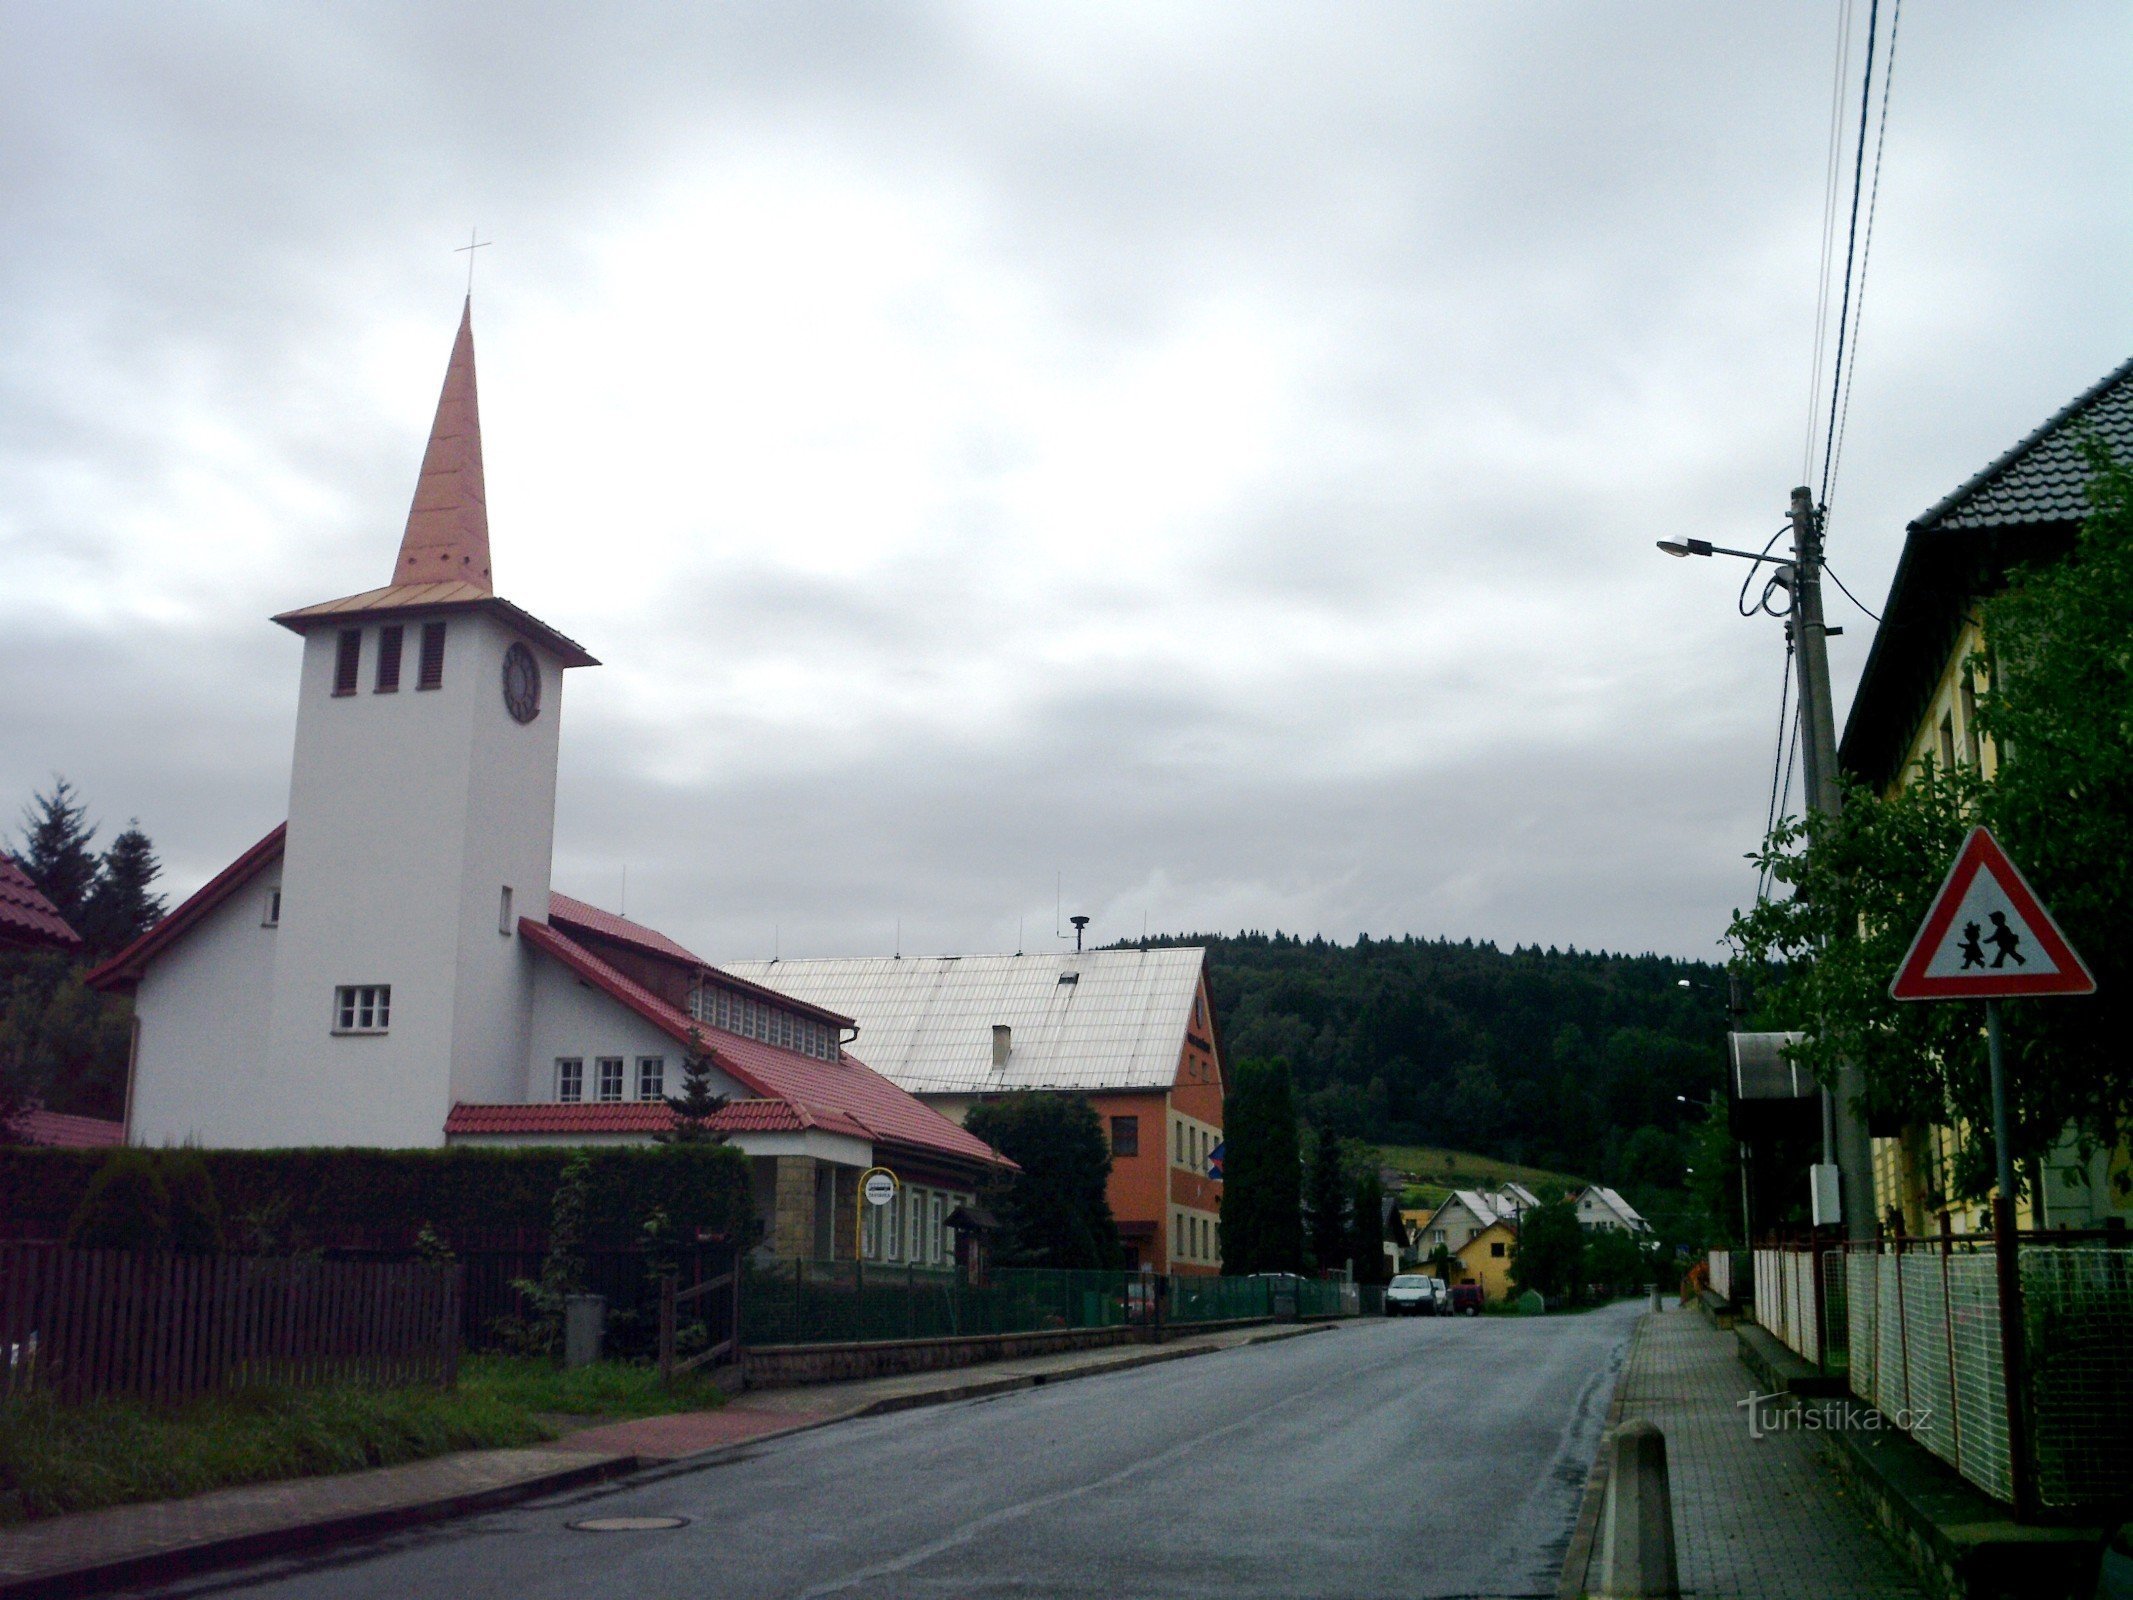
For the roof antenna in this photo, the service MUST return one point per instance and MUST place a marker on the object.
(1144, 930)
(1018, 935)
(899, 938)
(473, 244)
(623, 909)
(1079, 924)
(1058, 902)
(776, 953)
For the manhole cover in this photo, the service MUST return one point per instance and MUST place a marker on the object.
(628, 1524)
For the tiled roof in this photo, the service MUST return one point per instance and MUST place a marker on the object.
(124, 969)
(578, 914)
(60, 1130)
(26, 914)
(403, 599)
(843, 1096)
(620, 1117)
(2044, 478)
(1095, 1019)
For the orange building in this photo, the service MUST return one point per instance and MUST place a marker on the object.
(1132, 1031)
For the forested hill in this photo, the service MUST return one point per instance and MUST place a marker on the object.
(1553, 1058)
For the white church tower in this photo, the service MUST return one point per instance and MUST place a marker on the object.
(421, 829)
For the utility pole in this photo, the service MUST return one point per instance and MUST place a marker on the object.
(1844, 1127)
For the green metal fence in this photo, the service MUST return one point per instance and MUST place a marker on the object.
(833, 1302)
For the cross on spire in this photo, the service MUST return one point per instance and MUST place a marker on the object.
(473, 244)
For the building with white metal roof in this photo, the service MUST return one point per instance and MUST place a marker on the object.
(1133, 1030)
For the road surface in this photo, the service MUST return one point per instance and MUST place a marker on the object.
(1412, 1458)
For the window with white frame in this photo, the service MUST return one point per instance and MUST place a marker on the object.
(570, 1079)
(651, 1077)
(890, 1225)
(610, 1080)
(935, 1235)
(914, 1226)
(362, 1008)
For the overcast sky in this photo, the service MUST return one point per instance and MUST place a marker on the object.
(1208, 456)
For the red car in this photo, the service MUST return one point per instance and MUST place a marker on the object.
(1466, 1299)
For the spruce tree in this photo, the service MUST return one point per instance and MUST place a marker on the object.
(697, 1103)
(55, 848)
(119, 907)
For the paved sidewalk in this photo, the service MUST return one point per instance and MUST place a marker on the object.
(160, 1539)
(1753, 1517)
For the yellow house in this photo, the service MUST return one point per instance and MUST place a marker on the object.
(1486, 1259)
(1917, 700)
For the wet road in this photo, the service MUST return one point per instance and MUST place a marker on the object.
(1426, 1458)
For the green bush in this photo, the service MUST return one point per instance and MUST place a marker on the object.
(126, 1206)
(281, 1200)
(195, 1213)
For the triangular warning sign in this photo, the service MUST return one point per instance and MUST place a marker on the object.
(1988, 937)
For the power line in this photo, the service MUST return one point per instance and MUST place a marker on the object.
(1829, 233)
(1854, 599)
(1866, 249)
(1844, 307)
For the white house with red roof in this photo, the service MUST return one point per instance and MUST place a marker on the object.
(390, 967)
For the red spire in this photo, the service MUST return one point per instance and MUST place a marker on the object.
(447, 539)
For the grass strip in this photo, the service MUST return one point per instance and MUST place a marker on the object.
(57, 1458)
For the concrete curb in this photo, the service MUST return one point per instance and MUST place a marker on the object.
(185, 1561)
(1577, 1560)
(618, 1472)
(983, 1389)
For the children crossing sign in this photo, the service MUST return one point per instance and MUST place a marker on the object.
(1988, 937)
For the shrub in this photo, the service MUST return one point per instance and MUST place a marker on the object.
(126, 1206)
(195, 1213)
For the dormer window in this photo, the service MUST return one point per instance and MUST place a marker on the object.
(347, 660)
(388, 680)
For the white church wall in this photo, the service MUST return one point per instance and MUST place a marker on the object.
(509, 842)
(202, 1008)
(572, 1019)
(371, 887)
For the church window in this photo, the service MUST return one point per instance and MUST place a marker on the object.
(388, 679)
(362, 1008)
(651, 1077)
(272, 919)
(505, 923)
(430, 673)
(610, 1078)
(347, 660)
(570, 1079)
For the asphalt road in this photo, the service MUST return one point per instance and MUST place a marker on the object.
(1437, 1458)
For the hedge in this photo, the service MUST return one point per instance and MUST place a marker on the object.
(475, 1198)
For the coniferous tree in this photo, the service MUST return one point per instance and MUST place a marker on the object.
(119, 908)
(1054, 1212)
(1262, 1190)
(1368, 1229)
(697, 1103)
(1327, 1202)
(55, 848)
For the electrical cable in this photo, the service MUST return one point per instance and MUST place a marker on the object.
(1866, 92)
(1740, 601)
(1866, 249)
(1784, 800)
(1829, 232)
(1831, 573)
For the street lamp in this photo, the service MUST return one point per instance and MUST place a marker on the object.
(1844, 1139)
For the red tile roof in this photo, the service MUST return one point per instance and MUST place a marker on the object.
(124, 970)
(25, 914)
(741, 1116)
(576, 916)
(60, 1130)
(843, 1096)
(580, 916)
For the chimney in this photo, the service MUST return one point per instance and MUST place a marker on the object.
(1003, 1041)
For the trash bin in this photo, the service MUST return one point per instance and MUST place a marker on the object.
(584, 1328)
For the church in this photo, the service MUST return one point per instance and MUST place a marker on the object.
(389, 967)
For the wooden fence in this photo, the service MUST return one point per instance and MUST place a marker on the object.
(98, 1322)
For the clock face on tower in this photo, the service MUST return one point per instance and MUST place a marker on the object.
(522, 684)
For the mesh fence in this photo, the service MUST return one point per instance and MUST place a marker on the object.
(1923, 1327)
(834, 1302)
(2077, 1305)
